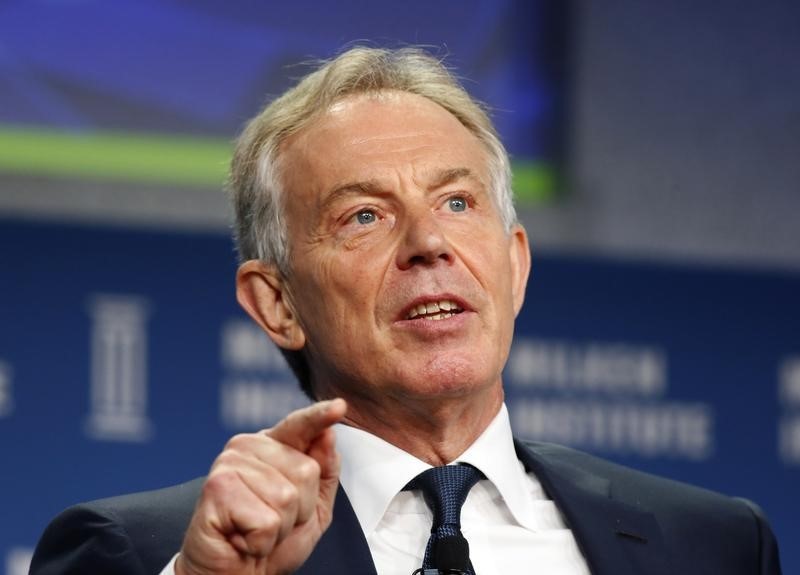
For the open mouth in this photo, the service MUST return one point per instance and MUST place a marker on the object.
(435, 310)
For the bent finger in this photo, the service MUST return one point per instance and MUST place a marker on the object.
(300, 428)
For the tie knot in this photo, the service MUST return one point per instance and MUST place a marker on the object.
(445, 489)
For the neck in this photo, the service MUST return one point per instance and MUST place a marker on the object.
(435, 430)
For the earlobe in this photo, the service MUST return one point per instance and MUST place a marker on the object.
(262, 293)
(520, 256)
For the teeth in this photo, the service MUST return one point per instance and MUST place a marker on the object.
(435, 310)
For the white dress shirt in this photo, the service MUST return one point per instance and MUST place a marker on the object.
(509, 521)
(507, 518)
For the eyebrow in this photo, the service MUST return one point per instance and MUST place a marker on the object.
(453, 175)
(366, 188)
(374, 188)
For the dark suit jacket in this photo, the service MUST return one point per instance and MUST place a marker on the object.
(626, 523)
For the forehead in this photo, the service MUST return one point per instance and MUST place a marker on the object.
(368, 136)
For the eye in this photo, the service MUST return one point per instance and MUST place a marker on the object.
(457, 204)
(365, 217)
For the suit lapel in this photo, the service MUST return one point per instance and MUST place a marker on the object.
(343, 549)
(616, 538)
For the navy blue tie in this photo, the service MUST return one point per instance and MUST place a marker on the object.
(445, 489)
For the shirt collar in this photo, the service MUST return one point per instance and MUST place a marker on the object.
(374, 471)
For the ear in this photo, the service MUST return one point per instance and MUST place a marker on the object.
(520, 257)
(262, 293)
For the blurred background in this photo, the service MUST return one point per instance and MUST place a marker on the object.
(655, 150)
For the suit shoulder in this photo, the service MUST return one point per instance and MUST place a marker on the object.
(134, 533)
(167, 504)
(638, 487)
(698, 524)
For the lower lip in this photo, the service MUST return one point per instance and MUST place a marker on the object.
(435, 326)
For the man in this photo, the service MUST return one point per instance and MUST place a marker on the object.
(381, 253)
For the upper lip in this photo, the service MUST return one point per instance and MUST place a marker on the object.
(442, 302)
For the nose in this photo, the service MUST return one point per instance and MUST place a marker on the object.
(424, 241)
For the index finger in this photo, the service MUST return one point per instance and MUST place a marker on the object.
(300, 428)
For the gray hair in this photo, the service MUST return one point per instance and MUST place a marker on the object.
(255, 182)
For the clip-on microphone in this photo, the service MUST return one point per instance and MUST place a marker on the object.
(451, 554)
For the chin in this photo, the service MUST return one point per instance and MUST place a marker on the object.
(451, 378)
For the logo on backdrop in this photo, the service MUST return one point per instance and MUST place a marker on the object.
(258, 388)
(118, 398)
(6, 394)
(789, 399)
(604, 396)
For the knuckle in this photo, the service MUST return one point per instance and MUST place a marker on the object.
(227, 458)
(300, 418)
(238, 442)
(285, 495)
(308, 471)
(270, 525)
(220, 482)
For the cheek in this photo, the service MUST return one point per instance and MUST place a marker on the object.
(486, 255)
(313, 291)
(337, 289)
